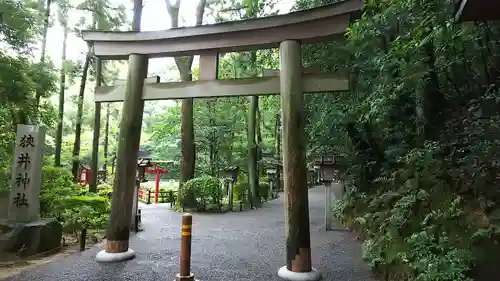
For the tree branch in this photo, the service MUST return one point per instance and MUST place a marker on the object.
(173, 10)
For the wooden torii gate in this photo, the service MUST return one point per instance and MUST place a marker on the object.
(287, 32)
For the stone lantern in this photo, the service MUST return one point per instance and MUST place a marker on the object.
(142, 164)
(327, 176)
(230, 176)
(311, 175)
(316, 167)
(327, 169)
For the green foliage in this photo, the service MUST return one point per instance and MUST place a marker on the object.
(18, 23)
(169, 185)
(104, 186)
(264, 188)
(199, 192)
(240, 191)
(57, 186)
(105, 190)
(99, 203)
(418, 131)
(5, 178)
(220, 124)
(70, 203)
(85, 212)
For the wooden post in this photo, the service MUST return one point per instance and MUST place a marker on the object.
(230, 192)
(157, 183)
(328, 205)
(298, 240)
(126, 165)
(270, 191)
(185, 252)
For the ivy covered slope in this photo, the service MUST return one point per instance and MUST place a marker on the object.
(420, 136)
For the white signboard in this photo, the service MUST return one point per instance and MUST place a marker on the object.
(27, 174)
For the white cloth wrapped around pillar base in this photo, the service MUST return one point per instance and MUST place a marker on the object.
(313, 275)
(106, 257)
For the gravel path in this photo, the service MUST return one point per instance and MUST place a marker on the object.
(246, 246)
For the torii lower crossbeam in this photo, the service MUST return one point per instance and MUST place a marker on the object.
(312, 83)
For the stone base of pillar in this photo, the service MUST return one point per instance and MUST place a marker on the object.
(106, 257)
(313, 275)
(178, 277)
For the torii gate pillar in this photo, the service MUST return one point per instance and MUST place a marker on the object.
(298, 240)
(118, 232)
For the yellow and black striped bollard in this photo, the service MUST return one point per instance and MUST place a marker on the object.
(185, 268)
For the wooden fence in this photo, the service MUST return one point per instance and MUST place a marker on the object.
(148, 196)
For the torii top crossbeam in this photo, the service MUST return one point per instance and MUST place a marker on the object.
(308, 26)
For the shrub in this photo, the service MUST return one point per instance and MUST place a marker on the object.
(167, 195)
(84, 212)
(188, 194)
(57, 185)
(168, 185)
(264, 189)
(5, 177)
(56, 176)
(107, 192)
(84, 217)
(240, 191)
(99, 203)
(104, 186)
(199, 192)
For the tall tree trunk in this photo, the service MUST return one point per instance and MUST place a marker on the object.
(230, 144)
(62, 88)
(188, 150)
(97, 130)
(106, 142)
(38, 92)
(433, 99)
(212, 139)
(253, 150)
(184, 64)
(79, 114)
(259, 142)
(99, 18)
(79, 117)
(253, 179)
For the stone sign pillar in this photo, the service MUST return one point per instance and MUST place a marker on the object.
(27, 174)
(24, 229)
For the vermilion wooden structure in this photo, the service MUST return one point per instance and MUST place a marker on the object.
(157, 171)
(84, 176)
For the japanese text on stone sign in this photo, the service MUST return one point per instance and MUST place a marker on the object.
(22, 179)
